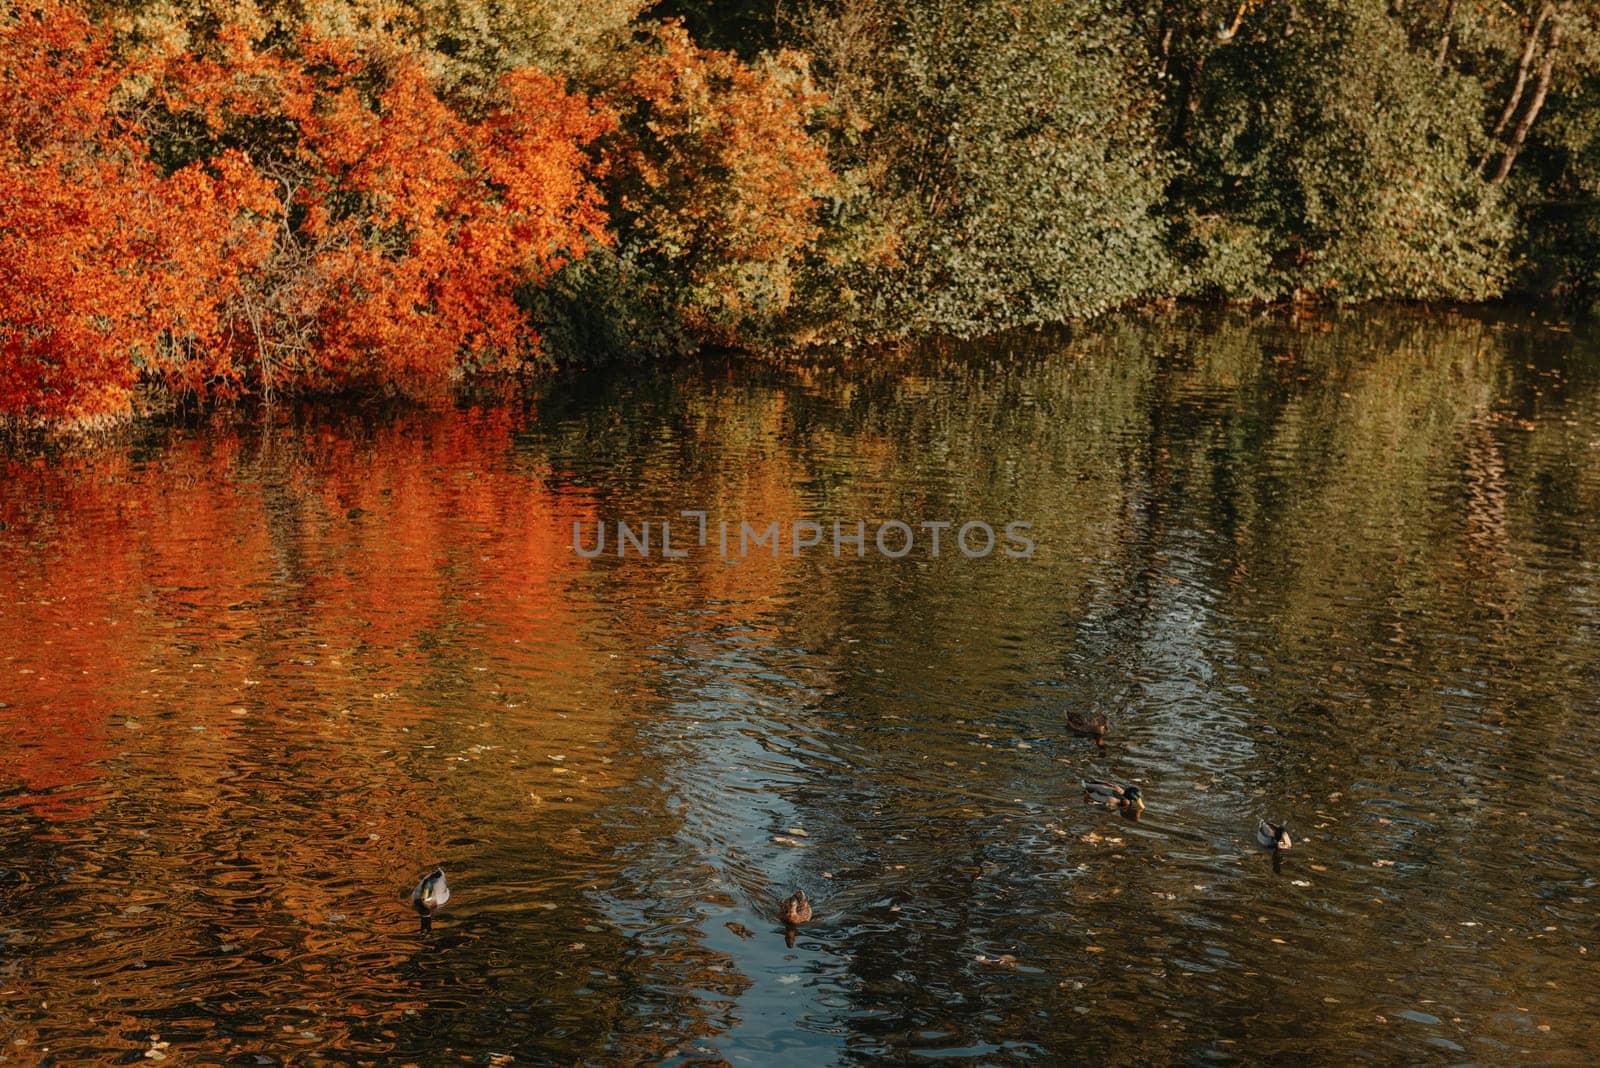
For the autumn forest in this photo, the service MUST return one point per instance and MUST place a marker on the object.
(208, 201)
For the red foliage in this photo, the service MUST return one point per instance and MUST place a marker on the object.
(402, 231)
(105, 263)
(338, 223)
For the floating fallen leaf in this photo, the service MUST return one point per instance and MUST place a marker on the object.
(1383, 864)
(799, 832)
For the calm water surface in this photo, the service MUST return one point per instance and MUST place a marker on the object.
(255, 678)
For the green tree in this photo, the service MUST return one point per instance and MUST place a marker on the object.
(999, 161)
(1324, 154)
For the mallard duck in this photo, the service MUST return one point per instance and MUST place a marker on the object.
(1091, 724)
(796, 910)
(1273, 836)
(431, 893)
(1126, 798)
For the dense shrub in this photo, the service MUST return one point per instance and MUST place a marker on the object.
(320, 217)
(465, 45)
(108, 266)
(402, 231)
(1001, 160)
(715, 185)
(1327, 155)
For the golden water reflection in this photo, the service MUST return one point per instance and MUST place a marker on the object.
(257, 677)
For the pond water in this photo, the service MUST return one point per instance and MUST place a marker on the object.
(256, 677)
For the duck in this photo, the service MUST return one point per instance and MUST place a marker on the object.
(1273, 836)
(796, 910)
(1128, 799)
(1090, 724)
(431, 893)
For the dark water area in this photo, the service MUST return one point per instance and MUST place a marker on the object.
(256, 678)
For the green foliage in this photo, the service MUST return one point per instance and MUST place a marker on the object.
(1000, 158)
(1326, 155)
(606, 308)
(469, 43)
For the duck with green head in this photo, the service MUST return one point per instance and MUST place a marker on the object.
(1127, 799)
(429, 897)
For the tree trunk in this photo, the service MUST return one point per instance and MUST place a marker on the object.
(1523, 63)
(1541, 89)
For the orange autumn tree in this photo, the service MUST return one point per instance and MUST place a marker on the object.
(107, 265)
(402, 231)
(267, 212)
(717, 181)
